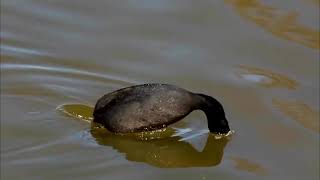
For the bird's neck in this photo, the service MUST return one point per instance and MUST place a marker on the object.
(210, 106)
(215, 113)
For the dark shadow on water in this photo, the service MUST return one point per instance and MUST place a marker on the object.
(166, 152)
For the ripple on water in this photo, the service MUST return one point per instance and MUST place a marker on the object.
(16, 51)
(243, 164)
(300, 112)
(279, 22)
(78, 111)
(59, 78)
(267, 78)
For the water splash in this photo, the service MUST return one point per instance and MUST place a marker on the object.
(228, 135)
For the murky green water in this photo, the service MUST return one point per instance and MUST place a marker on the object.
(259, 58)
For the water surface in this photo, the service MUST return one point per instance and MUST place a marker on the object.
(259, 58)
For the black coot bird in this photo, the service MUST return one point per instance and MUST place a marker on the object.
(154, 106)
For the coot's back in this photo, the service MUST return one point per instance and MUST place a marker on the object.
(143, 107)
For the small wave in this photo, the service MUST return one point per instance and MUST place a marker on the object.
(78, 111)
(11, 50)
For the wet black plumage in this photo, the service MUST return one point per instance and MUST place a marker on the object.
(153, 106)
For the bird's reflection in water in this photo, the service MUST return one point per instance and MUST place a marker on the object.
(162, 149)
